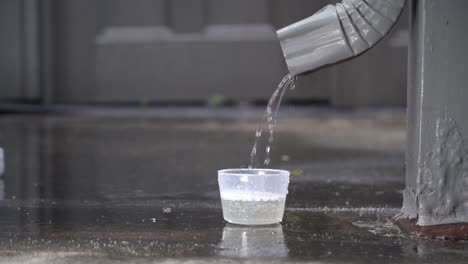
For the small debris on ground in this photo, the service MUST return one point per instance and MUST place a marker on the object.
(297, 173)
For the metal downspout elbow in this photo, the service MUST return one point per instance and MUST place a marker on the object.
(337, 33)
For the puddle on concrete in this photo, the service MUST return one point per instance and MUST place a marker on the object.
(78, 188)
(380, 228)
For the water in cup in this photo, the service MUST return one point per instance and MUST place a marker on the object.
(253, 208)
(253, 196)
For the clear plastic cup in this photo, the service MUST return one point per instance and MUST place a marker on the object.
(253, 196)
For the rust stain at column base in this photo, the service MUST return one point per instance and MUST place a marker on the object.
(457, 231)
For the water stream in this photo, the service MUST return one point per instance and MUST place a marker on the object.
(269, 121)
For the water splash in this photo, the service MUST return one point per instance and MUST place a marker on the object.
(269, 120)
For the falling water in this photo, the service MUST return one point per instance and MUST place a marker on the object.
(269, 120)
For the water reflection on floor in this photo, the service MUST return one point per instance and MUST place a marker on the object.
(88, 189)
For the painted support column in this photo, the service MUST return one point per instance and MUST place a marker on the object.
(436, 195)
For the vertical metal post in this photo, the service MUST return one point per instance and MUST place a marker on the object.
(435, 199)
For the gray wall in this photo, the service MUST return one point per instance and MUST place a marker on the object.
(19, 50)
(9, 49)
(141, 51)
(167, 51)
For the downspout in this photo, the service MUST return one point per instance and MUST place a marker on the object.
(337, 33)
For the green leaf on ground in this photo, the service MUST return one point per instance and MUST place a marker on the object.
(293, 218)
(217, 101)
(297, 173)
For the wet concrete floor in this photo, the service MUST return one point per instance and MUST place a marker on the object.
(100, 189)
